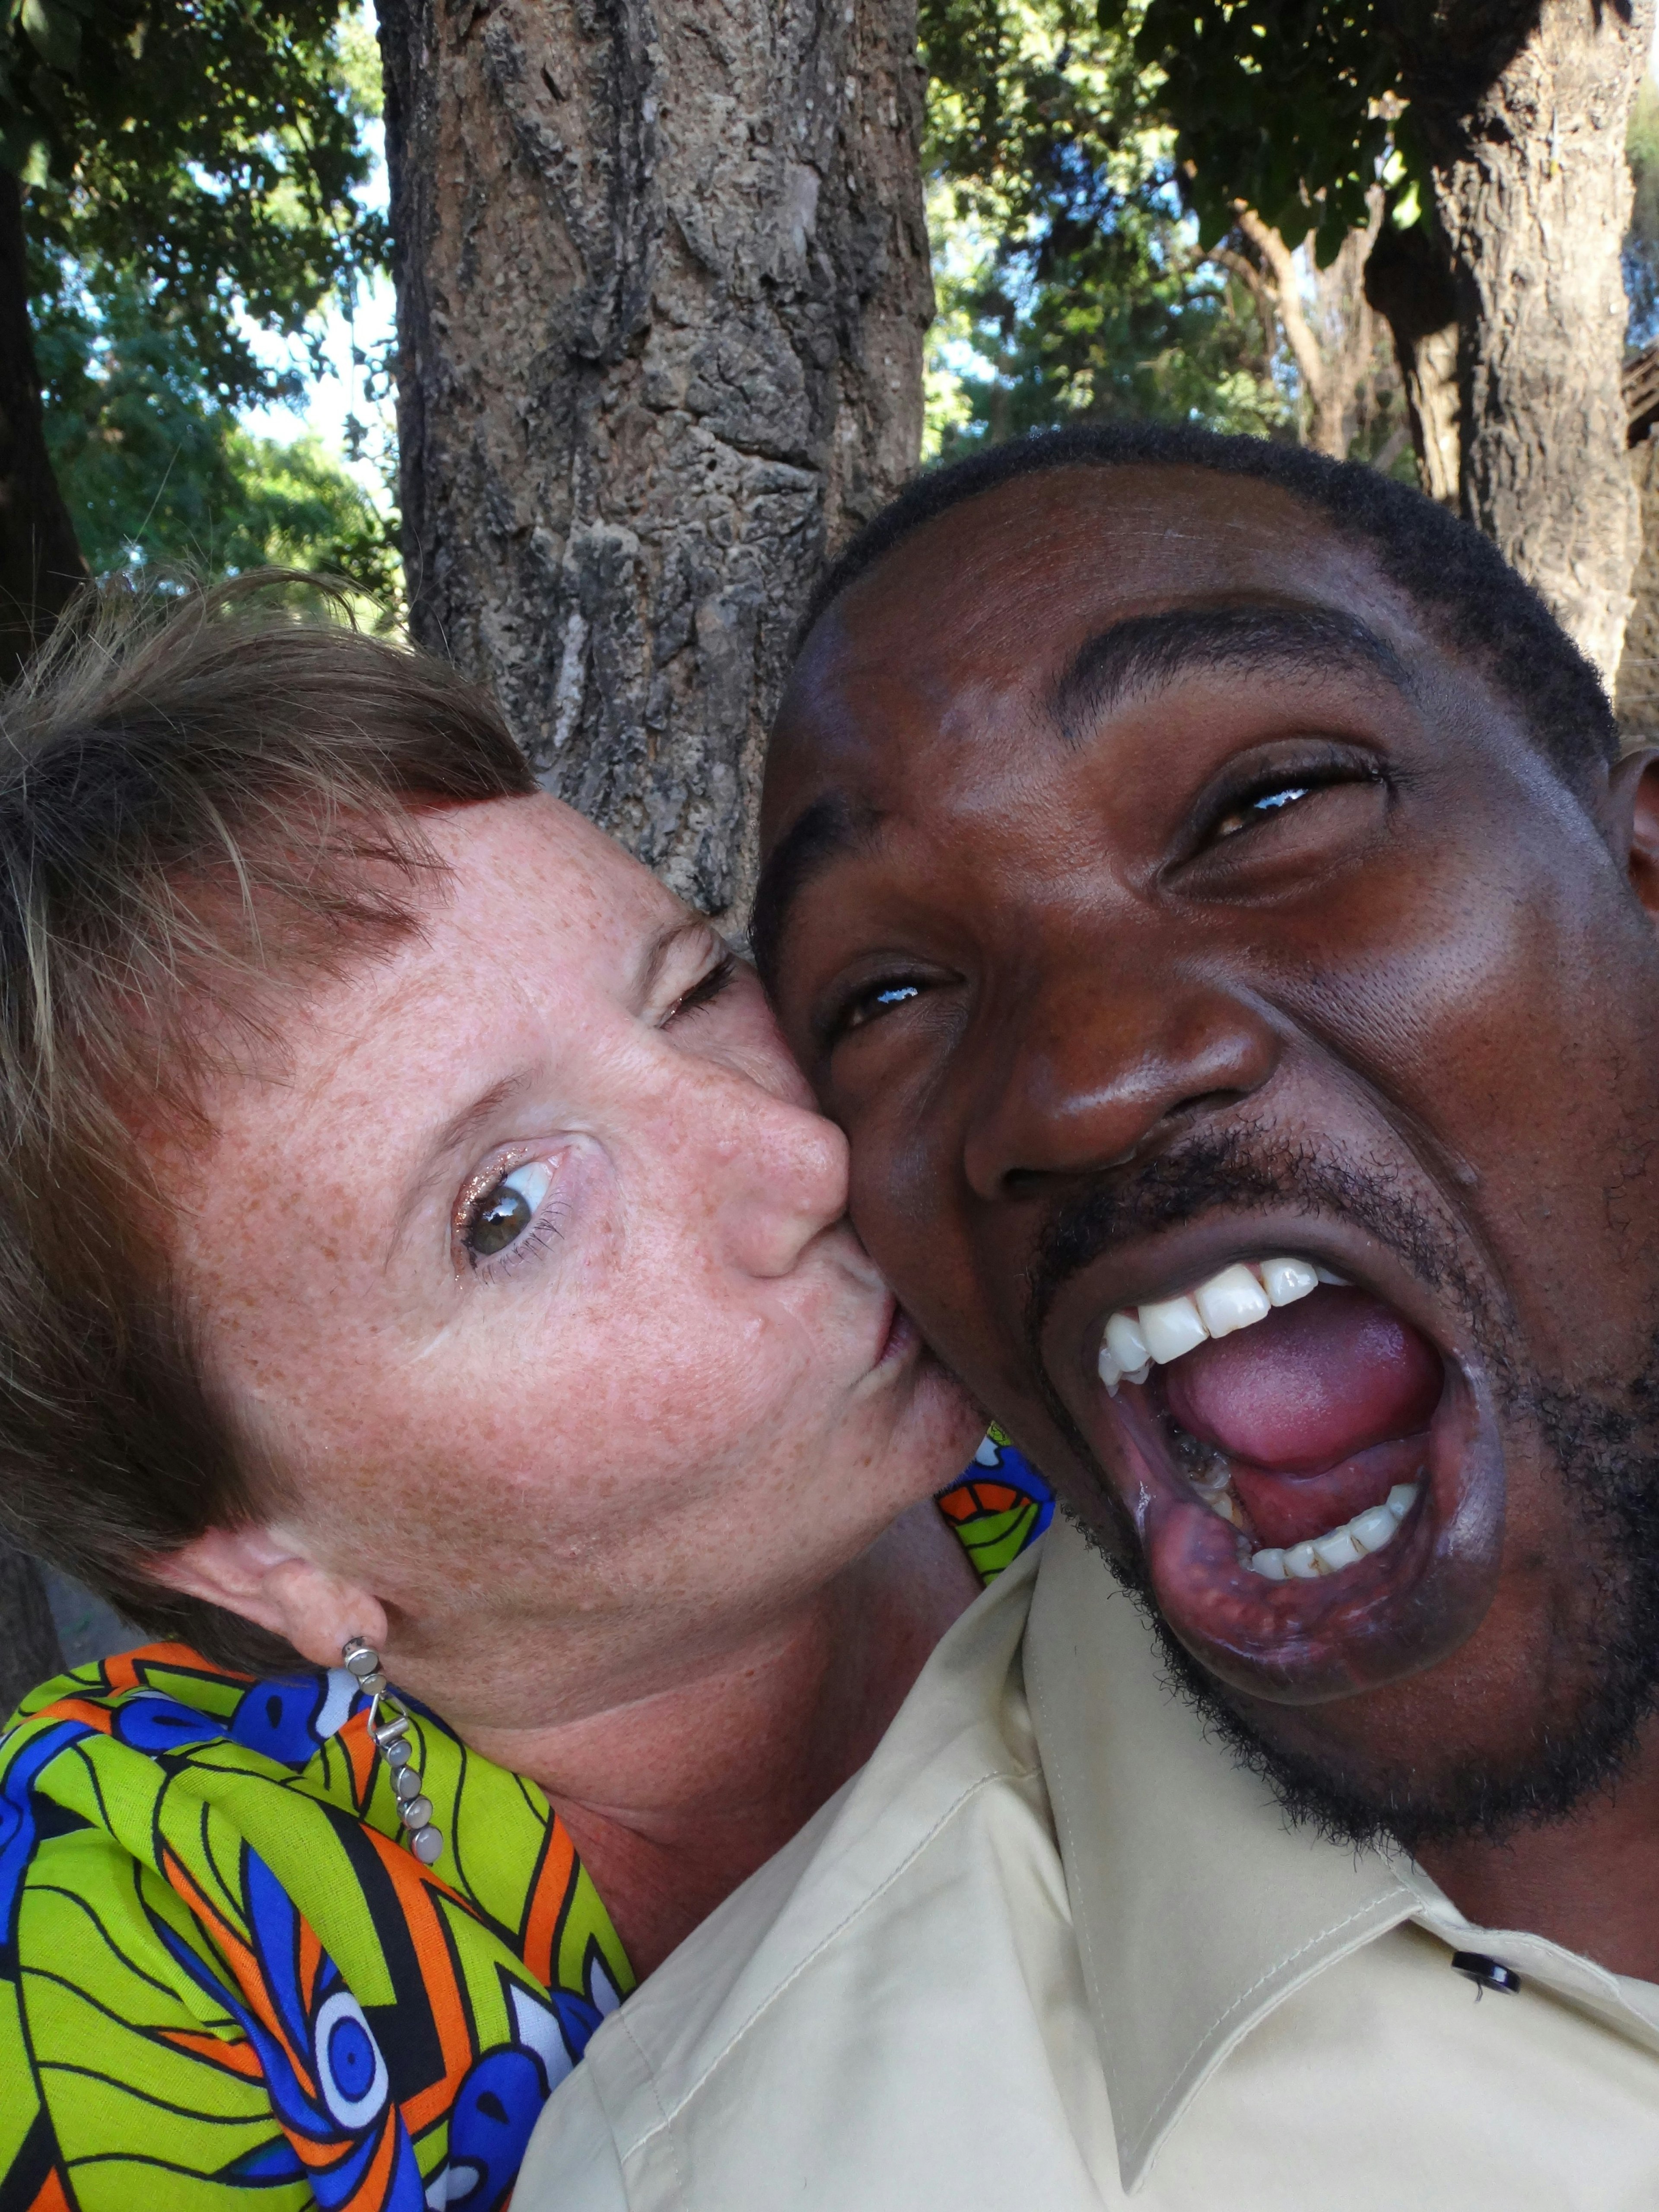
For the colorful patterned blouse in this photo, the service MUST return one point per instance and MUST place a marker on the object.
(227, 1986)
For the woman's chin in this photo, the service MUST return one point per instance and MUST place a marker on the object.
(939, 1426)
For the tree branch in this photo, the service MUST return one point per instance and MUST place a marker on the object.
(1281, 272)
(1241, 265)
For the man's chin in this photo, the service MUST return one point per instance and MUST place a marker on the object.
(1381, 1767)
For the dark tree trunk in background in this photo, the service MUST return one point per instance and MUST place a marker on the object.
(1408, 281)
(663, 283)
(1523, 110)
(40, 560)
(29, 1651)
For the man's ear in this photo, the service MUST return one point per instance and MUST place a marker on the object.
(1633, 792)
(261, 1574)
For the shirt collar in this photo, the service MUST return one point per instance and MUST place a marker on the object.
(1197, 1909)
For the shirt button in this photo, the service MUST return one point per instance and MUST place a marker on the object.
(1486, 1973)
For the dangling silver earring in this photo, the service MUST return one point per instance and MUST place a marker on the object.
(389, 1724)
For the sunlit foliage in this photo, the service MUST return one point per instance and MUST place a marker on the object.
(196, 174)
(1072, 282)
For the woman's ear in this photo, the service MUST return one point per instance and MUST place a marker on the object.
(260, 1573)
(1633, 788)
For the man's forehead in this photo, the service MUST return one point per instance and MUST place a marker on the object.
(981, 607)
(1076, 543)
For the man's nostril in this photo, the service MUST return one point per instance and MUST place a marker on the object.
(1093, 1078)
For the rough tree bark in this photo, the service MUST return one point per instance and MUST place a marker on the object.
(29, 1650)
(40, 558)
(1523, 110)
(662, 286)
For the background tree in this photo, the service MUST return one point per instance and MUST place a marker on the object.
(1067, 261)
(1071, 284)
(155, 467)
(173, 175)
(1641, 252)
(662, 288)
(1499, 129)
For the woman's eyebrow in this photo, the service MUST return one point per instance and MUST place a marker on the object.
(459, 1133)
(657, 948)
(462, 1128)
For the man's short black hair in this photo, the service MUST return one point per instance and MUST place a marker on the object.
(1464, 589)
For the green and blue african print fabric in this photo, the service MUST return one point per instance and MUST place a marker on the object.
(1001, 1506)
(227, 1986)
(223, 1980)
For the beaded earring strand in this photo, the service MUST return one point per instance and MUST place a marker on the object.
(390, 1736)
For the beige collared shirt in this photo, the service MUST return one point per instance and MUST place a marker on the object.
(1052, 1948)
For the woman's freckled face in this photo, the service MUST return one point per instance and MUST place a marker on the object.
(528, 1271)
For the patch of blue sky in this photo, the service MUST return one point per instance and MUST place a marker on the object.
(347, 409)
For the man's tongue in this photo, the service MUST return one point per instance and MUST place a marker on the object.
(1320, 1409)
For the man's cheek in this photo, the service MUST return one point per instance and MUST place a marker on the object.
(902, 1208)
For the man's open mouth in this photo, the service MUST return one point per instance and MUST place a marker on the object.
(1315, 1481)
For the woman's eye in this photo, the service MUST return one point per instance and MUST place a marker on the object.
(505, 1212)
(707, 987)
(1261, 807)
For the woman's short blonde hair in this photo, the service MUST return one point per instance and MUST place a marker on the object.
(206, 798)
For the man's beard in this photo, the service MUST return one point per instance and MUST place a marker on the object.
(1604, 1441)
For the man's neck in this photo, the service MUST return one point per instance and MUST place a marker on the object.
(674, 1801)
(1589, 1882)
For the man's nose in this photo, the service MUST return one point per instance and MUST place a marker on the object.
(1092, 1072)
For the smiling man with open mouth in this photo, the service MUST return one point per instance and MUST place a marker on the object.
(1202, 882)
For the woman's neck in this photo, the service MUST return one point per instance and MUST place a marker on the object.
(674, 1801)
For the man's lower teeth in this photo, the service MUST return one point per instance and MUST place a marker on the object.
(1338, 1548)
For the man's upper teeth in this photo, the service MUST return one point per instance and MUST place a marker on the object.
(1240, 1294)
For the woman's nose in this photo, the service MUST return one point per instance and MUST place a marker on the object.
(783, 1173)
(1088, 1072)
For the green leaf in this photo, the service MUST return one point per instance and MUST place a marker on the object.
(52, 28)
(23, 151)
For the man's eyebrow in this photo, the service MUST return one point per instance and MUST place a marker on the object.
(1143, 653)
(830, 828)
(1149, 652)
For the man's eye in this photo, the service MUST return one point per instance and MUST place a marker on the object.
(1261, 807)
(503, 1214)
(870, 1005)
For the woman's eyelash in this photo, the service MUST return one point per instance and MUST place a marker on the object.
(707, 988)
(543, 1214)
(533, 1242)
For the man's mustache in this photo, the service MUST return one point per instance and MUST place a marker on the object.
(1240, 1170)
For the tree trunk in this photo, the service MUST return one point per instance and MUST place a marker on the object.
(1335, 347)
(41, 559)
(1523, 112)
(1408, 282)
(662, 288)
(29, 1651)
